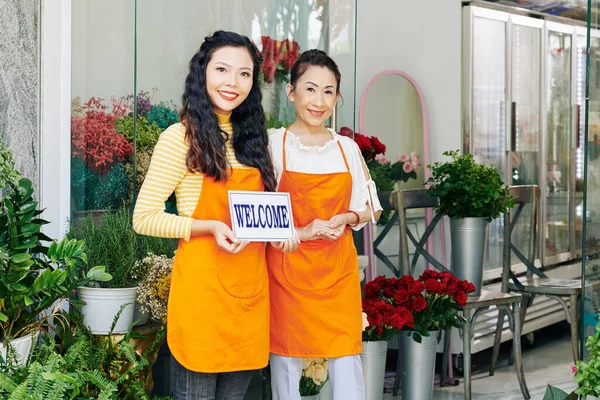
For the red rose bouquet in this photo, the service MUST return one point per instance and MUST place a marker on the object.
(385, 315)
(422, 305)
(278, 56)
(434, 299)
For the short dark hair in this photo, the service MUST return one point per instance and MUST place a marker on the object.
(316, 58)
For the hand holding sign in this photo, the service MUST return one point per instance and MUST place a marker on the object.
(226, 239)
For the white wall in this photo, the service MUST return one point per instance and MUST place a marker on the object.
(423, 39)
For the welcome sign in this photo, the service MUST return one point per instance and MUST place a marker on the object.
(261, 216)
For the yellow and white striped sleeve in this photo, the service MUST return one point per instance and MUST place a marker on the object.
(167, 169)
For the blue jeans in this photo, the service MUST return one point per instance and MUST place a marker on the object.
(190, 385)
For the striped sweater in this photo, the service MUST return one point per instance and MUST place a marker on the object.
(168, 173)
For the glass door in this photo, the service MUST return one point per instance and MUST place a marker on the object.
(561, 116)
(525, 93)
(485, 99)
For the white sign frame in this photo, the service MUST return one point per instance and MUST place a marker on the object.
(254, 200)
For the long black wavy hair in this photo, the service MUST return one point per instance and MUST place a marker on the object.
(207, 153)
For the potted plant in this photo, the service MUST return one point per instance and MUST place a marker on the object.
(32, 276)
(385, 317)
(472, 195)
(586, 374)
(433, 300)
(92, 367)
(115, 245)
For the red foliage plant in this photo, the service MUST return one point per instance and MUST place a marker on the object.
(94, 139)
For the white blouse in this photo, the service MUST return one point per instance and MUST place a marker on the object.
(326, 159)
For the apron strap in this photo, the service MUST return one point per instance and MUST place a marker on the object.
(344, 156)
(284, 162)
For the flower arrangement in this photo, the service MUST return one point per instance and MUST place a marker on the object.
(419, 306)
(153, 292)
(314, 376)
(279, 57)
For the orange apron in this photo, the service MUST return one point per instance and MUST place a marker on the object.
(218, 310)
(315, 291)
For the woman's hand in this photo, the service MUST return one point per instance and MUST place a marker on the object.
(319, 229)
(226, 239)
(287, 246)
(341, 220)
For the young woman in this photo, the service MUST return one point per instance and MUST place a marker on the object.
(218, 313)
(315, 291)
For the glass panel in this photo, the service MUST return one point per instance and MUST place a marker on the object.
(169, 33)
(102, 78)
(488, 130)
(591, 259)
(559, 142)
(525, 126)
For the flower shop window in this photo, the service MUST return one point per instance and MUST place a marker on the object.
(130, 59)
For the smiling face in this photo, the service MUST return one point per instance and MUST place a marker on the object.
(314, 95)
(229, 78)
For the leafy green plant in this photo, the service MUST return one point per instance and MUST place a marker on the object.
(468, 189)
(553, 393)
(32, 276)
(587, 373)
(116, 245)
(94, 367)
(147, 133)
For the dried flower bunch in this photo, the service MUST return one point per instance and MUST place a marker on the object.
(153, 292)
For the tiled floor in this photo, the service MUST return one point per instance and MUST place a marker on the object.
(548, 360)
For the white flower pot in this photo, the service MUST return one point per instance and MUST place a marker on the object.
(22, 346)
(315, 397)
(102, 305)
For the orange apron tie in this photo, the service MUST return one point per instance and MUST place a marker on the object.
(315, 291)
(218, 311)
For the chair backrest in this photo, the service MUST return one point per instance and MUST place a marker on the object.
(523, 195)
(403, 200)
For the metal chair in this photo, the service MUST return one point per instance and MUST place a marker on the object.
(410, 199)
(535, 282)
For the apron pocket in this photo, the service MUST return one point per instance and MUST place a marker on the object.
(243, 275)
(316, 265)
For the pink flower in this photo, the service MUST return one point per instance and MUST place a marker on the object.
(573, 369)
(414, 157)
(403, 158)
(416, 165)
(407, 167)
(381, 159)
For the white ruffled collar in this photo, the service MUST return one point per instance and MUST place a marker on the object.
(295, 140)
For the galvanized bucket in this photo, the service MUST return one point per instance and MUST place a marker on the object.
(418, 365)
(373, 360)
(469, 237)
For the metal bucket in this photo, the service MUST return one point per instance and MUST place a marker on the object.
(469, 236)
(418, 365)
(373, 359)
